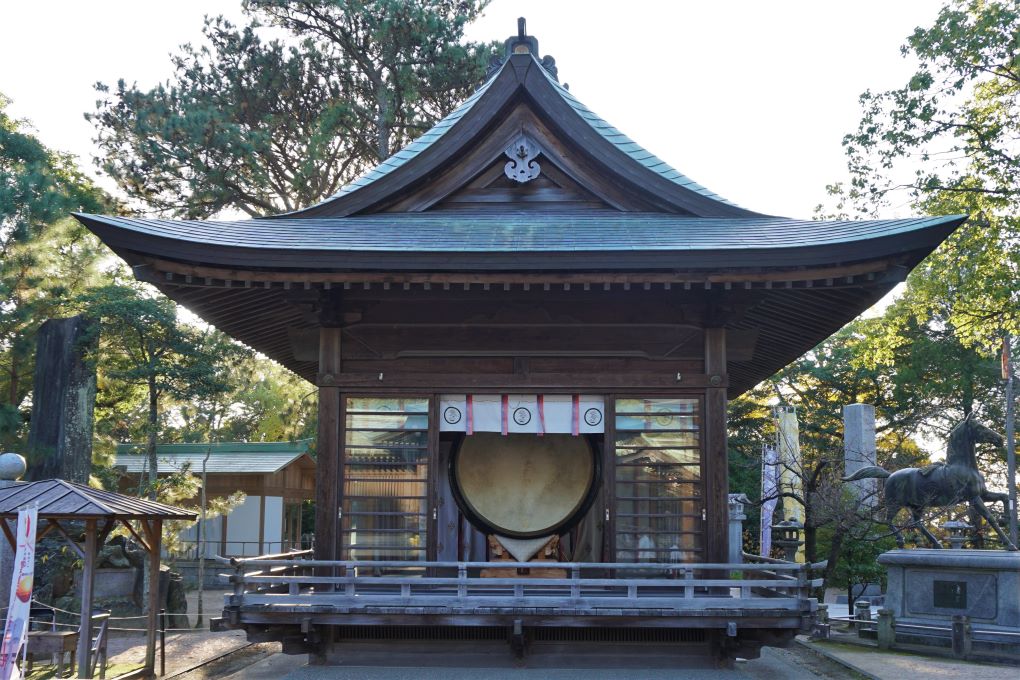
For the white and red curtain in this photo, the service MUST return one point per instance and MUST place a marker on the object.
(539, 414)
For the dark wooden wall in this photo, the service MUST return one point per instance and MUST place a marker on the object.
(393, 342)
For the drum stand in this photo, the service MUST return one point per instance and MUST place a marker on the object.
(547, 554)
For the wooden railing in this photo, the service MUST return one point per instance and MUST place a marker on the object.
(459, 586)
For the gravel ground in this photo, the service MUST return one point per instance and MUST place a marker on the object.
(183, 650)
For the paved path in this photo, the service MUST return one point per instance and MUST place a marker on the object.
(775, 664)
(891, 665)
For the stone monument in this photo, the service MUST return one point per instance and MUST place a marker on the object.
(63, 400)
(859, 448)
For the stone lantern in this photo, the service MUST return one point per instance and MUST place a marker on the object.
(958, 531)
(786, 535)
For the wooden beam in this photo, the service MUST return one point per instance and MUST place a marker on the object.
(220, 275)
(716, 479)
(88, 579)
(82, 553)
(141, 541)
(568, 383)
(327, 480)
(9, 534)
(104, 533)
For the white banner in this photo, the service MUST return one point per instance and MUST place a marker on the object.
(522, 413)
(16, 628)
(769, 494)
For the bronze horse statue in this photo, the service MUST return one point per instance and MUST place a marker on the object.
(941, 484)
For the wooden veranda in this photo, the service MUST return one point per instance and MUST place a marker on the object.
(60, 502)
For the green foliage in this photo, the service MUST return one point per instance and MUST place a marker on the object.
(956, 123)
(857, 562)
(401, 65)
(146, 347)
(264, 127)
(265, 402)
(46, 257)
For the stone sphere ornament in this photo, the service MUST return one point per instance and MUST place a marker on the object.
(12, 466)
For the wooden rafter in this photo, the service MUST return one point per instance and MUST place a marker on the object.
(141, 541)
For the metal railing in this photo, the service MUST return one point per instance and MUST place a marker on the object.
(669, 589)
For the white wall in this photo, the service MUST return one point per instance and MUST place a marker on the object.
(243, 528)
(273, 532)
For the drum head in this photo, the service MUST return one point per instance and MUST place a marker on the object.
(523, 485)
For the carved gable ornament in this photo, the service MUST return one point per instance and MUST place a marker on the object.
(522, 166)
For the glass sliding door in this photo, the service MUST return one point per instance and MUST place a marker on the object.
(385, 468)
(657, 479)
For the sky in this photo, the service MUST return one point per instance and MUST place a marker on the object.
(749, 98)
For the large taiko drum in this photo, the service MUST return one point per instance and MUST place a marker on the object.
(523, 485)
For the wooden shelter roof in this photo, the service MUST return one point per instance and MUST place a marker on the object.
(59, 499)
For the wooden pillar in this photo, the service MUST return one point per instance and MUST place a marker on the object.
(327, 479)
(88, 581)
(262, 520)
(716, 482)
(155, 535)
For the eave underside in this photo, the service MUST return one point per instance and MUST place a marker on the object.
(778, 315)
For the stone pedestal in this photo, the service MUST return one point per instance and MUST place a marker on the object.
(932, 586)
(736, 526)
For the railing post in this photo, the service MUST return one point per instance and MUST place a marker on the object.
(961, 636)
(349, 572)
(162, 642)
(862, 613)
(886, 629)
(575, 582)
(688, 584)
(238, 584)
(461, 580)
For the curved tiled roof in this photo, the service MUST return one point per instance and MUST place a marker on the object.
(415, 147)
(629, 148)
(517, 233)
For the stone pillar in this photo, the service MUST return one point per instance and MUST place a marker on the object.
(791, 470)
(736, 524)
(859, 448)
(12, 468)
(886, 629)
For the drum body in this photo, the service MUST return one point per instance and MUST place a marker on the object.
(523, 485)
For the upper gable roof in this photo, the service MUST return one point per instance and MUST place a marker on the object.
(522, 79)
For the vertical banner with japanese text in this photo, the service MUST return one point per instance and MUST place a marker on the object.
(16, 627)
(769, 496)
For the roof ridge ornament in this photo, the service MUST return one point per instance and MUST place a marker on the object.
(522, 43)
(522, 153)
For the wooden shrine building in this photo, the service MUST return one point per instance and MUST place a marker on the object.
(524, 329)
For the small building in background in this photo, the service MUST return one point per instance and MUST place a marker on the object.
(278, 478)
